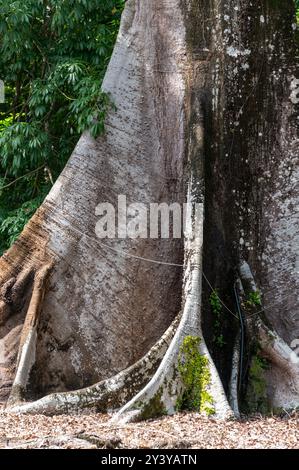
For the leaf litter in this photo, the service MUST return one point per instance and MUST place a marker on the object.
(180, 431)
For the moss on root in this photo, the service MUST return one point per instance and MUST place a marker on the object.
(196, 377)
(256, 395)
(154, 408)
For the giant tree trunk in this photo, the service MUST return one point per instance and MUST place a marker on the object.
(206, 111)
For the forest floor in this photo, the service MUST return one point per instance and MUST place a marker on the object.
(181, 431)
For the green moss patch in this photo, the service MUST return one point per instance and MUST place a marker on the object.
(256, 396)
(154, 408)
(196, 377)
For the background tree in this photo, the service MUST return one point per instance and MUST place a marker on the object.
(53, 56)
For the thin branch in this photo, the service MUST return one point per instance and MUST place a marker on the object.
(21, 177)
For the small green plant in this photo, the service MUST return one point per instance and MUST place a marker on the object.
(194, 371)
(215, 303)
(219, 340)
(216, 306)
(254, 299)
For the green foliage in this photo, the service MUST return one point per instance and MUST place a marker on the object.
(23, 145)
(254, 299)
(12, 222)
(53, 57)
(194, 371)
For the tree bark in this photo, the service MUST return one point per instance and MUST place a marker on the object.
(206, 111)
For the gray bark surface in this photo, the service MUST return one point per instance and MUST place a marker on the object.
(206, 98)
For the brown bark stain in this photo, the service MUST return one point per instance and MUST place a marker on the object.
(23, 269)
